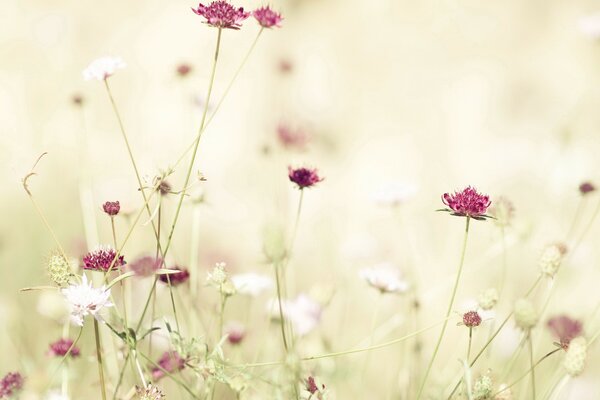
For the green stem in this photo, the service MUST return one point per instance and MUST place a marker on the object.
(99, 358)
(449, 310)
(469, 346)
(532, 365)
(282, 319)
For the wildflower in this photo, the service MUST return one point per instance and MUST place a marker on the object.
(77, 99)
(219, 279)
(170, 362)
(467, 203)
(316, 389)
(565, 329)
(220, 14)
(101, 259)
(266, 17)
(274, 245)
(503, 210)
(59, 269)
(176, 278)
(183, 70)
(385, 278)
(488, 299)
(164, 187)
(251, 284)
(102, 68)
(111, 208)
(145, 266)
(61, 347)
(304, 177)
(151, 392)
(394, 194)
(483, 387)
(303, 312)
(574, 361)
(292, 138)
(586, 187)
(551, 258)
(83, 300)
(235, 332)
(10, 384)
(471, 319)
(526, 315)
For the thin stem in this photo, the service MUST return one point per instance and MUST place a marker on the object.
(532, 365)
(141, 320)
(449, 310)
(99, 358)
(470, 341)
(282, 319)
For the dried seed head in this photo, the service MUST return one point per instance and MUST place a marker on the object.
(574, 361)
(483, 387)
(151, 392)
(551, 258)
(488, 299)
(59, 269)
(526, 315)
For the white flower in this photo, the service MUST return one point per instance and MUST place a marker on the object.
(102, 68)
(394, 194)
(384, 277)
(590, 26)
(251, 284)
(84, 299)
(303, 312)
(218, 276)
(574, 360)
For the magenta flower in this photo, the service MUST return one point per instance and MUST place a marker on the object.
(266, 17)
(235, 333)
(304, 177)
(101, 259)
(183, 70)
(176, 278)
(565, 329)
(10, 384)
(170, 362)
(222, 15)
(586, 187)
(111, 208)
(467, 203)
(471, 319)
(145, 266)
(292, 138)
(61, 347)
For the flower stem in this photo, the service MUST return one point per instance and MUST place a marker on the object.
(469, 346)
(282, 319)
(532, 365)
(99, 358)
(449, 310)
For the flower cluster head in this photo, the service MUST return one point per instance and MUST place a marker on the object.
(315, 389)
(586, 188)
(551, 258)
(526, 315)
(385, 278)
(292, 138)
(304, 177)
(59, 269)
(150, 392)
(467, 203)
(183, 70)
(102, 258)
(303, 312)
(488, 299)
(565, 329)
(170, 362)
(221, 14)
(176, 278)
(235, 332)
(267, 18)
(111, 208)
(251, 284)
(503, 211)
(471, 319)
(83, 300)
(145, 266)
(219, 279)
(61, 347)
(102, 68)
(10, 384)
(483, 388)
(574, 361)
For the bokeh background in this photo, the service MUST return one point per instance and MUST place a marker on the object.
(435, 95)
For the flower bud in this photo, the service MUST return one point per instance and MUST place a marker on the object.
(551, 258)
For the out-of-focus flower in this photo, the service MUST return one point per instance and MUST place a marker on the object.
(285, 66)
(221, 14)
(385, 278)
(304, 177)
(471, 319)
(590, 26)
(551, 258)
(102, 68)
(251, 284)
(504, 393)
(586, 188)
(488, 299)
(394, 194)
(503, 210)
(111, 208)
(56, 395)
(218, 276)
(83, 300)
(526, 315)
(151, 392)
(266, 17)
(176, 278)
(235, 332)
(274, 245)
(574, 361)
(101, 258)
(59, 269)
(303, 312)
(61, 347)
(565, 329)
(292, 138)
(183, 70)
(483, 388)
(11, 384)
(145, 266)
(77, 99)
(316, 389)
(467, 203)
(170, 362)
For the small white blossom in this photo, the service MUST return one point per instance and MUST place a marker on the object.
(303, 312)
(385, 278)
(218, 276)
(101, 68)
(574, 361)
(251, 284)
(83, 299)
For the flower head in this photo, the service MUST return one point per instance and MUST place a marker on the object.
(471, 319)
(176, 278)
(145, 266)
(10, 384)
(385, 278)
(565, 329)
(526, 315)
(221, 14)
(266, 17)
(235, 332)
(101, 259)
(292, 138)
(586, 187)
(483, 388)
(111, 208)
(315, 389)
(503, 210)
(59, 269)
(303, 312)
(488, 299)
(183, 70)
(103, 68)
(151, 392)
(170, 362)
(251, 284)
(551, 258)
(574, 361)
(304, 177)
(61, 347)
(219, 279)
(467, 203)
(83, 300)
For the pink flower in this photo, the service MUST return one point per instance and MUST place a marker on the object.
(10, 384)
(183, 70)
(471, 319)
(102, 258)
(111, 208)
(586, 187)
(304, 177)
(565, 329)
(467, 203)
(61, 347)
(145, 266)
(222, 15)
(292, 138)
(170, 362)
(176, 278)
(235, 332)
(266, 17)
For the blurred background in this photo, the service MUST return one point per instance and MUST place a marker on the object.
(426, 96)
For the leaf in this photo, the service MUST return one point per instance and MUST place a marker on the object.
(149, 331)
(120, 278)
(29, 289)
